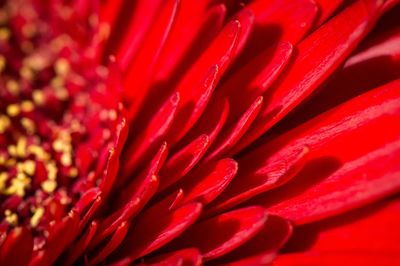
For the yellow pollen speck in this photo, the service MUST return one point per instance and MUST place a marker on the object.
(13, 87)
(62, 94)
(112, 114)
(2, 63)
(21, 147)
(10, 162)
(4, 34)
(57, 82)
(49, 186)
(62, 67)
(51, 170)
(4, 123)
(29, 167)
(18, 185)
(26, 73)
(11, 218)
(37, 215)
(2, 159)
(73, 172)
(66, 159)
(13, 110)
(3, 179)
(36, 62)
(27, 106)
(39, 152)
(28, 124)
(58, 145)
(38, 97)
(12, 150)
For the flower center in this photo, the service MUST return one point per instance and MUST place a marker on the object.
(53, 120)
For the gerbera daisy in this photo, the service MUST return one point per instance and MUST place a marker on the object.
(217, 132)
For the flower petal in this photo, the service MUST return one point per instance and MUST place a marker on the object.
(231, 135)
(151, 231)
(17, 247)
(147, 142)
(183, 161)
(263, 247)
(335, 179)
(141, 68)
(318, 56)
(190, 256)
(349, 238)
(225, 232)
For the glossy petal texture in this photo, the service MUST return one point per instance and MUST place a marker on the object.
(348, 237)
(226, 232)
(215, 132)
(348, 178)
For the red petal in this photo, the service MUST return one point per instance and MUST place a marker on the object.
(220, 54)
(150, 138)
(111, 245)
(138, 184)
(243, 86)
(210, 123)
(224, 233)
(326, 9)
(368, 236)
(207, 182)
(60, 236)
(337, 178)
(79, 247)
(151, 231)
(192, 24)
(139, 74)
(182, 257)
(378, 62)
(183, 161)
(17, 248)
(263, 247)
(260, 171)
(318, 56)
(194, 100)
(231, 135)
(287, 20)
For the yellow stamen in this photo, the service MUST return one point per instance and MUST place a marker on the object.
(37, 215)
(49, 186)
(4, 34)
(27, 106)
(38, 97)
(66, 159)
(4, 123)
(13, 110)
(2, 63)
(28, 124)
(13, 87)
(21, 147)
(11, 218)
(29, 167)
(62, 67)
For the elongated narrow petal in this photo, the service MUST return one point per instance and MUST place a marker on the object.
(317, 58)
(226, 232)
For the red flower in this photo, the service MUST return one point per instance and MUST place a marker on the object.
(250, 126)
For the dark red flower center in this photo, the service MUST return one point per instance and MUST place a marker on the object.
(54, 114)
